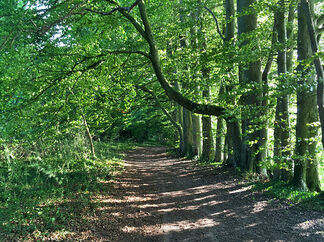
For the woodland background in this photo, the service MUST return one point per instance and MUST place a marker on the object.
(229, 83)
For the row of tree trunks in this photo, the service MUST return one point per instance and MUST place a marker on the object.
(245, 152)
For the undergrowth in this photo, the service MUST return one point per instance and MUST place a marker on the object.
(44, 197)
(291, 195)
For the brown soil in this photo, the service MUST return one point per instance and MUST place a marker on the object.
(162, 198)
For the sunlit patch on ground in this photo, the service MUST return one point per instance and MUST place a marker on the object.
(160, 198)
(243, 189)
(187, 224)
(259, 206)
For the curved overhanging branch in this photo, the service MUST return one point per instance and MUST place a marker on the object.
(167, 114)
(176, 96)
(146, 33)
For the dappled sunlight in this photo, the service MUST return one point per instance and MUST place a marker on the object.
(251, 225)
(189, 225)
(167, 199)
(308, 224)
(243, 189)
(259, 206)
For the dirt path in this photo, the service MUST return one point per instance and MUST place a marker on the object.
(160, 198)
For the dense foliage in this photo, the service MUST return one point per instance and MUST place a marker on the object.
(75, 74)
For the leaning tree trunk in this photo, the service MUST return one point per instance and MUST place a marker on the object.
(87, 129)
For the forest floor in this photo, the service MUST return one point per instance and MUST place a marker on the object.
(162, 198)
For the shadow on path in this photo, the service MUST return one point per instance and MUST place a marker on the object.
(161, 198)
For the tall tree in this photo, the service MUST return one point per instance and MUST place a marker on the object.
(305, 169)
(281, 130)
(249, 74)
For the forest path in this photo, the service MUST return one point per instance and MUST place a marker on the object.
(162, 198)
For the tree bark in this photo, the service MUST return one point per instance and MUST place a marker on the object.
(208, 147)
(233, 127)
(219, 146)
(250, 74)
(281, 131)
(187, 133)
(179, 111)
(306, 114)
(317, 63)
(85, 123)
(197, 134)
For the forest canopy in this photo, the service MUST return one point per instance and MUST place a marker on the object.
(235, 82)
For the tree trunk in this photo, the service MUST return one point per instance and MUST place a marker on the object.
(228, 159)
(312, 175)
(233, 127)
(85, 123)
(208, 143)
(197, 134)
(305, 170)
(179, 119)
(219, 140)
(317, 62)
(299, 178)
(196, 119)
(250, 74)
(263, 140)
(187, 132)
(290, 36)
(281, 132)
(235, 142)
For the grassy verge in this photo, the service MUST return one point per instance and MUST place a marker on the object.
(45, 198)
(291, 195)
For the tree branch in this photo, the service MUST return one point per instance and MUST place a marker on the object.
(218, 30)
(158, 103)
(45, 28)
(137, 26)
(174, 95)
(130, 52)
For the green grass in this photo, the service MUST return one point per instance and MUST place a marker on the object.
(39, 197)
(213, 164)
(291, 195)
